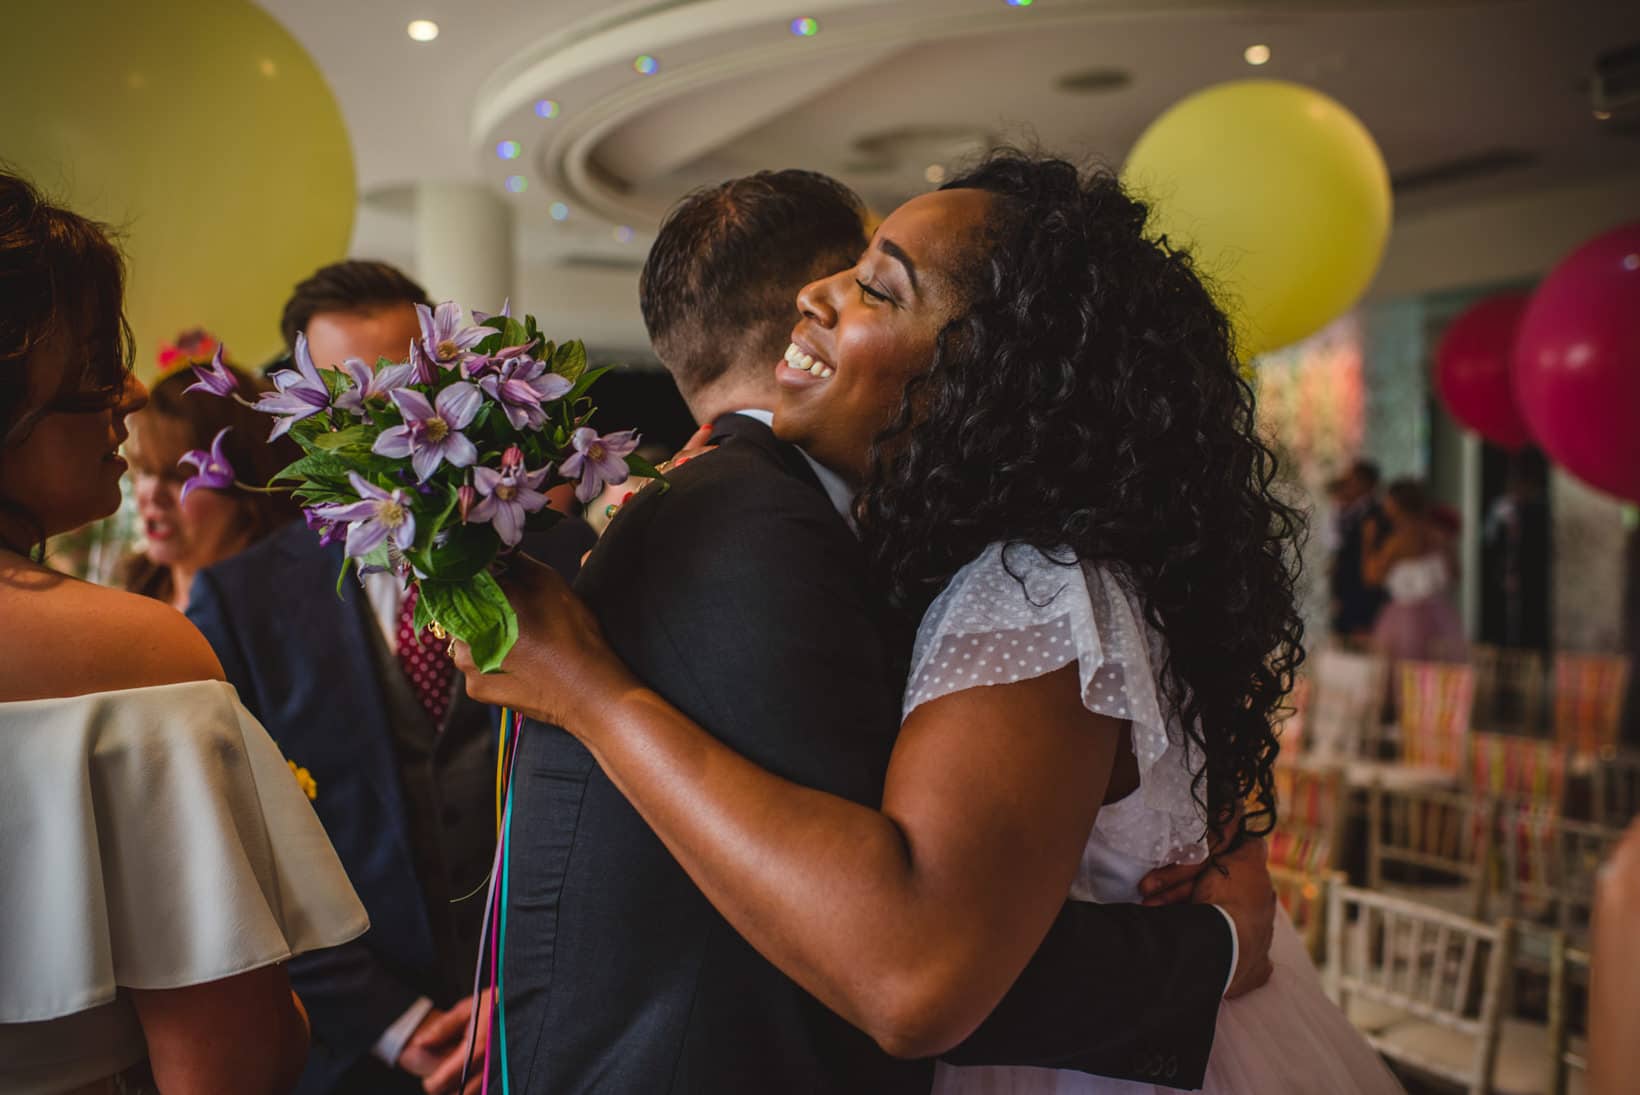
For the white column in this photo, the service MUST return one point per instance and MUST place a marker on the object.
(464, 244)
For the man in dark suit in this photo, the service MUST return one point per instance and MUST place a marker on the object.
(403, 761)
(740, 594)
(1355, 604)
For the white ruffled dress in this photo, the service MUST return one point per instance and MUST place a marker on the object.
(1016, 613)
(150, 838)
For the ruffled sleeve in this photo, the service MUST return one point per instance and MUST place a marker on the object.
(1016, 612)
(153, 838)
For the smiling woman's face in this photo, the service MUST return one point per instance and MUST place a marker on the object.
(868, 330)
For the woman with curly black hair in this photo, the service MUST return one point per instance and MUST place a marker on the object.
(1064, 494)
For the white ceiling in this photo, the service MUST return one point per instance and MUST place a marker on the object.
(1435, 82)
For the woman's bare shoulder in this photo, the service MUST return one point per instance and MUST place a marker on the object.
(72, 638)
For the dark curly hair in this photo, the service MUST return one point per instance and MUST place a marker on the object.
(1088, 398)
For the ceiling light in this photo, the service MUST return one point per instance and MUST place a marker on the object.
(1256, 55)
(623, 234)
(558, 211)
(935, 173)
(1603, 115)
(516, 184)
(508, 150)
(546, 108)
(645, 64)
(422, 30)
(805, 28)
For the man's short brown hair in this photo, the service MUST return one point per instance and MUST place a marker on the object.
(720, 284)
(357, 285)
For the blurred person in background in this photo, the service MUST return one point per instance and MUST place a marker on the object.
(1614, 1031)
(1355, 600)
(182, 536)
(1409, 554)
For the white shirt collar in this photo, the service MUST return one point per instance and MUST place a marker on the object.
(841, 495)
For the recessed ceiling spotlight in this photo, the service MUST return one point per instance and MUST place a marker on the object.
(558, 211)
(516, 184)
(623, 234)
(508, 150)
(1603, 115)
(645, 64)
(805, 28)
(934, 173)
(422, 30)
(1256, 55)
(546, 108)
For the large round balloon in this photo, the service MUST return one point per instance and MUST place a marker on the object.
(1283, 196)
(1474, 369)
(199, 129)
(1577, 363)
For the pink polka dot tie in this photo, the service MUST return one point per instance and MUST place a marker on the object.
(426, 665)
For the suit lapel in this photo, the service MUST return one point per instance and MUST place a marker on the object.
(739, 427)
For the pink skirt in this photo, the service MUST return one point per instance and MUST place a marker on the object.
(1427, 631)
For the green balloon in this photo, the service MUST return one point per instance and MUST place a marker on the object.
(203, 133)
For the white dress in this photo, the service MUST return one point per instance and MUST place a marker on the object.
(1009, 616)
(150, 838)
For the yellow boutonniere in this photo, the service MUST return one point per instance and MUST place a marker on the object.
(304, 780)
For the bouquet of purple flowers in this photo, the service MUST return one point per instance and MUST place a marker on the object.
(433, 467)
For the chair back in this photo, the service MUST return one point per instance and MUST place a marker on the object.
(1346, 705)
(1614, 788)
(1429, 839)
(1434, 706)
(1589, 690)
(1508, 690)
(1550, 865)
(1304, 896)
(1526, 769)
(1448, 971)
(1568, 1010)
(1309, 818)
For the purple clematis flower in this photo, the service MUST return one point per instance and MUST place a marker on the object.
(211, 469)
(379, 516)
(445, 341)
(301, 393)
(505, 313)
(505, 496)
(520, 384)
(329, 531)
(598, 460)
(431, 433)
(214, 379)
(372, 385)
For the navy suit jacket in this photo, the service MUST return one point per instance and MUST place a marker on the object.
(300, 655)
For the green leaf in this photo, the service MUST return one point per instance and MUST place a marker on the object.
(354, 440)
(570, 360)
(466, 550)
(476, 612)
(341, 575)
(317, 466)
(378, 559)
(584, 382)
(337, 381)
(637, 465)
(514, 334)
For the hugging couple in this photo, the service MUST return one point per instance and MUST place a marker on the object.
(919, 736)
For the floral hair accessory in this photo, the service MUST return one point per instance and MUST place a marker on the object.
(192, 347)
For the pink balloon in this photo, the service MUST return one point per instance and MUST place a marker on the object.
(1577, 363)
(1473, 367)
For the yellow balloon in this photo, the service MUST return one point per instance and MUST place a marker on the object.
(1281, 193)
(204, 133)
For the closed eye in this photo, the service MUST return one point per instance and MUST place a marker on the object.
(874, 294)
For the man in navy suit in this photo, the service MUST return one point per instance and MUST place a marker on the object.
(403, 761)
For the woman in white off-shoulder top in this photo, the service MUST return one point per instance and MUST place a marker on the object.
(1064, 490)
(158, 861)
